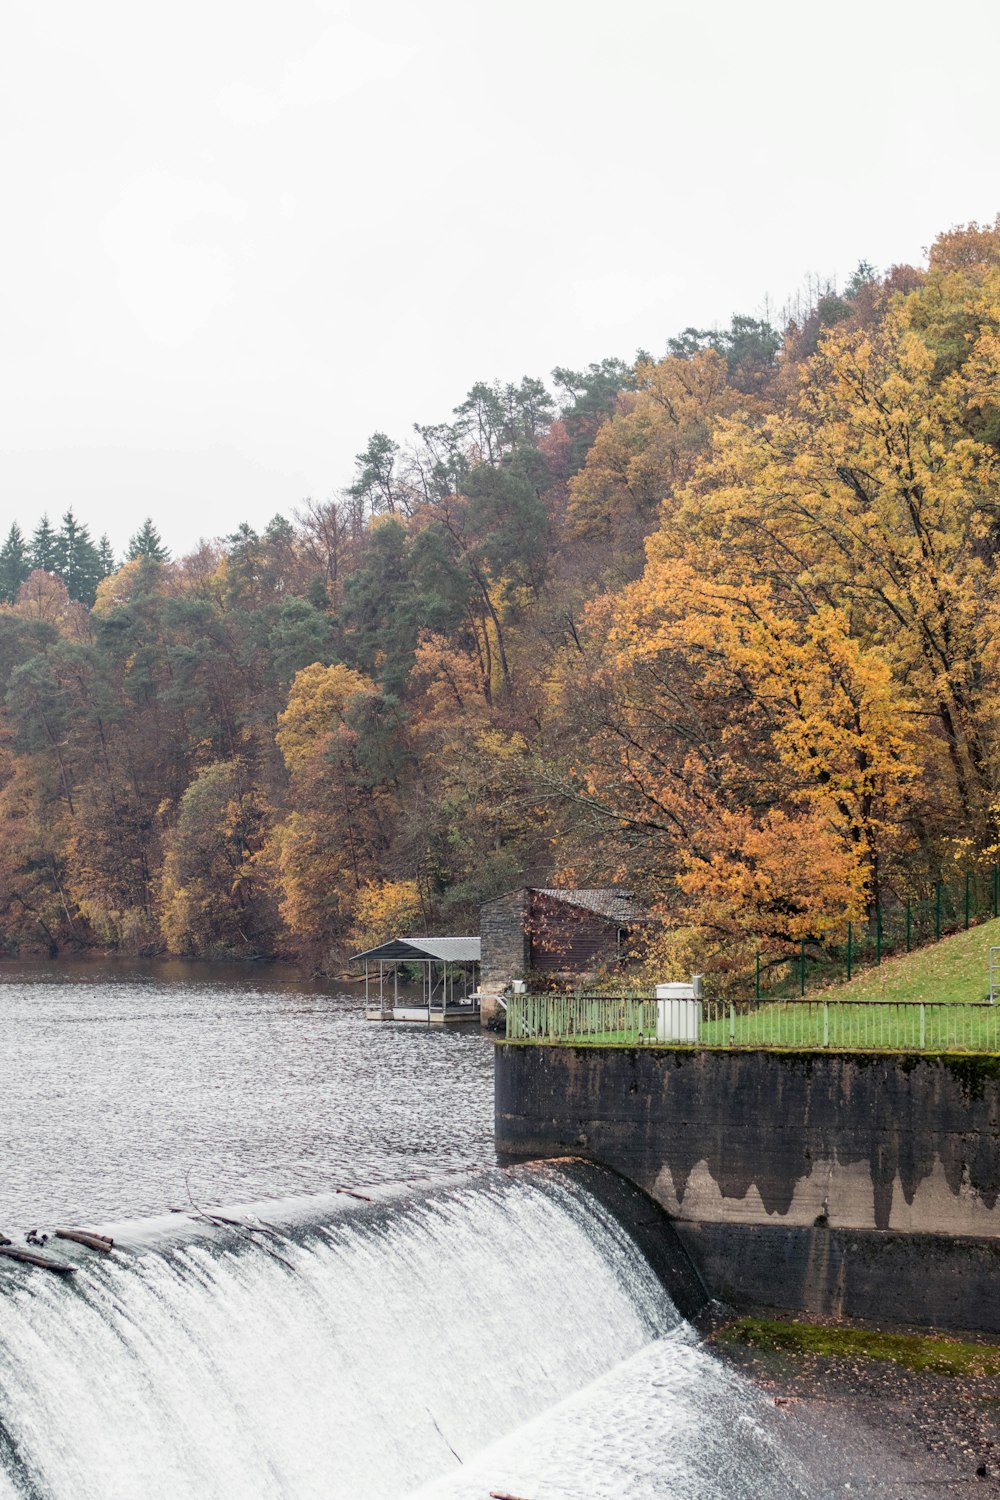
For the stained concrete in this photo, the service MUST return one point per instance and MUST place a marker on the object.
(866, 1184)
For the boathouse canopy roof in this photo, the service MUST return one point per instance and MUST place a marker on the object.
(450, 950)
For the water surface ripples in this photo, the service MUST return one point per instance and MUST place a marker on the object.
(120, 1083)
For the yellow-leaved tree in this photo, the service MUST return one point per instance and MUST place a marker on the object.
(650, 447)
(214, 895)
(385, 909)
(794, 705)
(328, 847)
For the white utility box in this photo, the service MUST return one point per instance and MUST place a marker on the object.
(678, 1011)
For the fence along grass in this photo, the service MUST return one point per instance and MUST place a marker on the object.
(896, 927)
(850, 1025)
(771, 1008)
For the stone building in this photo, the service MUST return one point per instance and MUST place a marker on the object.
(547, 935)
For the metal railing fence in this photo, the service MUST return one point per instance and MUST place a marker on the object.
(898, 925)
(575, 1017)
(852, 1025)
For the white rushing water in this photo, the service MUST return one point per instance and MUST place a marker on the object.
(497, 1332)
(504, 1333)
(669, 1422)
(355, 1358)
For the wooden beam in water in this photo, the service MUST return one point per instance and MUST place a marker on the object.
(84, 1237)
(43, 1262)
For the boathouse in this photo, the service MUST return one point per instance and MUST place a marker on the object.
(447, 991)
(548, 935)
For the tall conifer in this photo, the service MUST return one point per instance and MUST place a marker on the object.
(76, 559)
(14, 564)
(147, 542)
(42, 549)
(105, 556)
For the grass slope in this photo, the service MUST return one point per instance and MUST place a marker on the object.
(956, 968)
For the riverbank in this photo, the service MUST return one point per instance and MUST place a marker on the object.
(921, 1412)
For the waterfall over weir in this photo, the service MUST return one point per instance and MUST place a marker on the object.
(365, 1351)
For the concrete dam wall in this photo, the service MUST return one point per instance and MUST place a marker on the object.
(823, 1183)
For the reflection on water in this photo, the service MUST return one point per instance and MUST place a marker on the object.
(118, 1080)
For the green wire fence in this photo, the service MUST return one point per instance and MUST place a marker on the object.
(896, 926)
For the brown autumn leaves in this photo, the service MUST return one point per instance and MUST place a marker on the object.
(752, 672)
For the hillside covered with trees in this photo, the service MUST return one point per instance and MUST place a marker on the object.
(720, 626)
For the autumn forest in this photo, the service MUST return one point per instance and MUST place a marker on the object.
(720, 625)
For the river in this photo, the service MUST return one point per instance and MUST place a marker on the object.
(480, 1329)
(130, 1088)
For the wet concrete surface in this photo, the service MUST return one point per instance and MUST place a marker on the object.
(894, 1432)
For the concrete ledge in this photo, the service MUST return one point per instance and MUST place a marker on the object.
(880, 1276)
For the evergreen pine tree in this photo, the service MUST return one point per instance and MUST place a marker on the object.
(105, 556)
(42, 548)
(147, 542)
(76, 559)
(14, 564)
(279, 532)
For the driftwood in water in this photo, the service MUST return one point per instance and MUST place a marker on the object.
(352, 1194)
(44, 1262)
(259, 1228)
(242, 1228)
(504, 1495)
(84, 1237)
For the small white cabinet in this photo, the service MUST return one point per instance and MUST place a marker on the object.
(678, 1011)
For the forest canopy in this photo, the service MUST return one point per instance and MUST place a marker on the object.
(719, 625)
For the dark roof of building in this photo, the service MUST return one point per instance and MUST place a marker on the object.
(610, 902)
(452, 950)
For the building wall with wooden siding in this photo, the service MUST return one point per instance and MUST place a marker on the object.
(531, 932)
(565, 939)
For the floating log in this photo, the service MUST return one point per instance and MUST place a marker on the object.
(85, 1237)
(44, 1262)
(504, 1495)
(260, 1227)
(352, 1194)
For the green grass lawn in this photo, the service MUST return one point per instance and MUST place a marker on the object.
(811, 1024)
(956, 968)
(822, 1022)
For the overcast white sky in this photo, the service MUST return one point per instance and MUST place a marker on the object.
(238, 238)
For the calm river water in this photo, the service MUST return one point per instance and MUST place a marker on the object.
(121, 1083)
